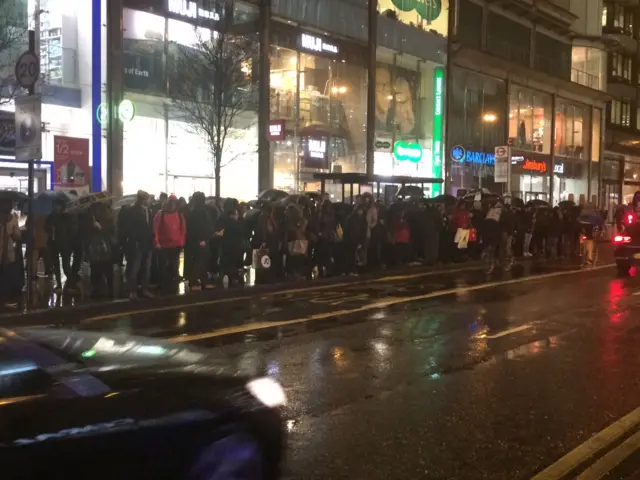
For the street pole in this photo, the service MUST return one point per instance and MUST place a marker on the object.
(371, 81)
(30, 217)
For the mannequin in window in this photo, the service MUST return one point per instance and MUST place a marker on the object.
(522, 134)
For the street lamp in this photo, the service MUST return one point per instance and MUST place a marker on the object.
(488, 117)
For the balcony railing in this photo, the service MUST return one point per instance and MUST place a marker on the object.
(584, 78)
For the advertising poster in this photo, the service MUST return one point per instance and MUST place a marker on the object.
(71, 162)
(400, 109)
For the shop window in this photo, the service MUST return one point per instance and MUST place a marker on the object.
(573, 129)
(530, 120)
(596, 133)
(620, 112)
(631, 171)
(323, 103)
(405, 95)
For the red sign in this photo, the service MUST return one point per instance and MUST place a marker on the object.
(276, 132)
(534, 166)
(70, 162)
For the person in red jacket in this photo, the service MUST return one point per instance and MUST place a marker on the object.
(401, 239)
(169, 231)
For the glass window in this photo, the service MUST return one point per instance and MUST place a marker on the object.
(143, 56)
(323, 103)
(572, 130)
(631, 171)
(621, 66)
(405, 93)
(530, 120)
(604, 16)
(596, 133)
(620, 112)
(587, 67)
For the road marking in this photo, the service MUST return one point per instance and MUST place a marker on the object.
(272, 294)
(372, 306)
(612, 459)
(588, 449)
(509, 331)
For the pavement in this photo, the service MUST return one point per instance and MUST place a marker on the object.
(530, 373)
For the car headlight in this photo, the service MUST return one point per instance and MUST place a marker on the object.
(268, 391)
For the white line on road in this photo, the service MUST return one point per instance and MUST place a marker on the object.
(372, 306)
(611, 460)
(510, 331)
(588, 449)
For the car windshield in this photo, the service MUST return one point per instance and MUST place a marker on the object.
(115, 350)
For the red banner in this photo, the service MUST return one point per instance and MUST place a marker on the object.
(70, 162)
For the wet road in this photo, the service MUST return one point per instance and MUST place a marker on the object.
(446, 376)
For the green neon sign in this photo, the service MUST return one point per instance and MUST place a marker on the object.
(411, 151)
(126, 111)
(436, 146)
(429, 10)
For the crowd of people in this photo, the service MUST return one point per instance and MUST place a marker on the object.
(295, 238)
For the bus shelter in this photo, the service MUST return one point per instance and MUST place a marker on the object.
(346, 187)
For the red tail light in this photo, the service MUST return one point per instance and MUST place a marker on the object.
(631, 218)
(621, 239)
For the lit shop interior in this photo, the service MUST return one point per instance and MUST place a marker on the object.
(530, 134)
(161, 151)
(409, 117)
(326, 91)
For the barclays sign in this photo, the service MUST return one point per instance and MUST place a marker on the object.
(479, 158)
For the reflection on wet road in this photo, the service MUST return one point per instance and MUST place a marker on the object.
(465, 380)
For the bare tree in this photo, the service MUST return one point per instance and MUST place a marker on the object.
(13, 41)
(212, 88)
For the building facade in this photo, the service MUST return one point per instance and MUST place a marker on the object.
(529, 76)
(621, 162)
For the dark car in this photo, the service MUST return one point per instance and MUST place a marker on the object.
(94, 405)
(627, 248)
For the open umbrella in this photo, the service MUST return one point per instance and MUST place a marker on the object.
(410, 191)
(13, 195)
(445, 199)
(125, 201)
(43, 201)
(83, 202)
(537, 203)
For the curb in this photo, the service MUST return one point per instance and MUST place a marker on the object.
(123, 304)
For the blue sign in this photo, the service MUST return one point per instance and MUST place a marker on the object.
(458, 153)
(480, 158)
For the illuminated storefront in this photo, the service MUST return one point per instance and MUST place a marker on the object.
(164, 150)
(410, 89)
(319, 93)
(481, 121)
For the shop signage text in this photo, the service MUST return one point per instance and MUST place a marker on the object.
(190, 9)
(136, 72)
(480, 158)
(411, 151)
(317, 148)
(558, 168)
(438, 107)
(316, 44)
(534, 166)
(383, 145)
(276, 132)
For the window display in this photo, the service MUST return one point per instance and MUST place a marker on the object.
(530, 119)
(406, 97)
(321, 98)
